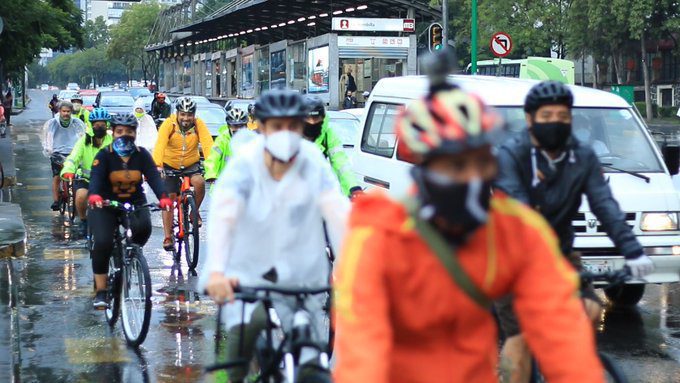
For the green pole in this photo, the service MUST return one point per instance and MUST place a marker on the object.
(473, 39)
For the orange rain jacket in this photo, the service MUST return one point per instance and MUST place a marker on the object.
(401, 317)
(177, 149)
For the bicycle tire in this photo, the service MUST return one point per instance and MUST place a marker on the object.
(191, 230)
(71, 203)
(134, 330)
(113, 289)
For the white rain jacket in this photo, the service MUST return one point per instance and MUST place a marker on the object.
(147, 134)
(57, 139)
(256, 224)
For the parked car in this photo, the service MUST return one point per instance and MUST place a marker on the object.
(213, 116)
(66, 94)
(44, 87)
(148, 99)
(356, 112)
(347, 126)
(644, 188)
(201, 100)
(104, 88)
(72, 86)
(89, 97)
(139, 92)
(241, 103)
(115, 102)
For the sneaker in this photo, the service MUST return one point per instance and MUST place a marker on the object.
(55, 206)
(82, 227)
(168, 244)
(99, 302)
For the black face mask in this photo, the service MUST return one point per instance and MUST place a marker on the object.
(99, 133)
(551, 135)
(463, 205)
(312, 131)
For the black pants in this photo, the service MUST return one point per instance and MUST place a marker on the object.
(103, 223)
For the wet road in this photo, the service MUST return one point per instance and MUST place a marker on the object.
(49, 332)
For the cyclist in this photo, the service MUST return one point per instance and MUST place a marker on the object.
(79, 162)
(550, 170)
(177, 149)
(317, 130)
(79, 112)
(252, 121)
(117, 174)
(285, 201)
(402, 315)
(221, 150)
(59, 136)
(159, 108)
(54, 104)
(147, 134)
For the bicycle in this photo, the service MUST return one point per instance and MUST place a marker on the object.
(279, 354)
(185, 221)
(129, 282)
(67, 198)
(612, 371)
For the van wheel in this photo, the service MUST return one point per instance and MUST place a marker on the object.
(626, 295)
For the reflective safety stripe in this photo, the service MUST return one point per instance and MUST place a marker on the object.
(86, 172)
(334, 151)
(218, 150)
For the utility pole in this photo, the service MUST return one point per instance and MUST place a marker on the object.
(445, 22)
(473, 39)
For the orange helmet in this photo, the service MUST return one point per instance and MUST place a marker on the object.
(161, 95)
(447, 121)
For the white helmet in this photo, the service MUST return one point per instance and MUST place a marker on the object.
(185, 104)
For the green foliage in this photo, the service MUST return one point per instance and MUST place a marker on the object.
(37, 74)
(667, 111)
(83, 67)
(34, 24)
(640, 105)
(96, 32)
(129, 37)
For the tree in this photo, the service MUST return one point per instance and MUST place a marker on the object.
(129, 37)
(96, 32)
(31, 25)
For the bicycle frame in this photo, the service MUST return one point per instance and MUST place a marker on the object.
(185, 190)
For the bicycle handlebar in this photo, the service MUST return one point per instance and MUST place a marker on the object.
(290, 291)
(613, 277)
(129, 207)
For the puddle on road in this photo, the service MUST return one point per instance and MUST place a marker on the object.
(66, 254)
(96, 350)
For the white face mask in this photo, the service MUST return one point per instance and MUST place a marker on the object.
(283, 145)
(76, 107)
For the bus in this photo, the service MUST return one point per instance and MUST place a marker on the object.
(534, 68)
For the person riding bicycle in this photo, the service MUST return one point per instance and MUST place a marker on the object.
(279, 188)
(59, 136)
(147, 133)
(177, 150)
(159, 108)
(79, 162)
(416, 276)
(79, 112)
(252, 121)
(550, 170)
(221, 150)
(118, 172)
(317, 130)
(54, 104)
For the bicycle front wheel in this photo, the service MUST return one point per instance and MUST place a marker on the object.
(71, 203)
(136, 298)
(191, 235)
(113, 290)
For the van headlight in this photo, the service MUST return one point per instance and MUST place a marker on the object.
(659, 222)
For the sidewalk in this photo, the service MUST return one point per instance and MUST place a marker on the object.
(12, 230)
(7, 158)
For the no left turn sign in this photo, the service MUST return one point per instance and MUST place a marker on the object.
(501, 44)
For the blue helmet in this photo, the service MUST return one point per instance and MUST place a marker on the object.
(100, 114)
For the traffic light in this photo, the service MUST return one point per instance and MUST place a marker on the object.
(436, 37)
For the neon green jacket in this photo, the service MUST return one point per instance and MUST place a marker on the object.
(220, 152)
(84, 116)
(80, 160)
(331, 146)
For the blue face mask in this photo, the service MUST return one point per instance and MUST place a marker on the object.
(124, 145)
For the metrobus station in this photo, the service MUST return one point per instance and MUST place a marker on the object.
(321, 47)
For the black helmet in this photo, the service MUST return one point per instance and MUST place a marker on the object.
(280, 103)
(316, 106)
(125, 119)
(548, 93)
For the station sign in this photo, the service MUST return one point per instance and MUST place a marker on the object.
(371, 41)
(374, 24)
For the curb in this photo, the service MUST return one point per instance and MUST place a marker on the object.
(12, 231)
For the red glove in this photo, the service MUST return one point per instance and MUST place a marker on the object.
(165, 203)
(69, 176)
(95, 200)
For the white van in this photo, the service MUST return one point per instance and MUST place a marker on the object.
(645, 192)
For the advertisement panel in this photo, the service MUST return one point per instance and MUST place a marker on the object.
(247, 73)
(278, 69)
(317, 69)
(373, 24)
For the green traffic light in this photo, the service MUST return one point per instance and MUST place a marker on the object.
(438, 47)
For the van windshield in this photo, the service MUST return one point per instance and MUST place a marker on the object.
(615, 135)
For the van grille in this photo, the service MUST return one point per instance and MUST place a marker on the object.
(587, 223)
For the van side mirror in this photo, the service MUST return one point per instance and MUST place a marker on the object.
(671, 157)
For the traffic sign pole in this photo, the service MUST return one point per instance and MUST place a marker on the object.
(445, 23)
(473, 39)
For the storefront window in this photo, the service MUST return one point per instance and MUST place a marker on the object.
(263, 70)
(317, 69)
(247, 73)
(208, 78)
(297, 60)
(186, 76)
(278, 69)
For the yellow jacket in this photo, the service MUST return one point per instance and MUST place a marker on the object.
(177, 149)
(252, 124)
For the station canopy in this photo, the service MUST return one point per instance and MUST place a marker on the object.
(265, 21)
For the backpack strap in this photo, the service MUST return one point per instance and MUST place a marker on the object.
(446, 255)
